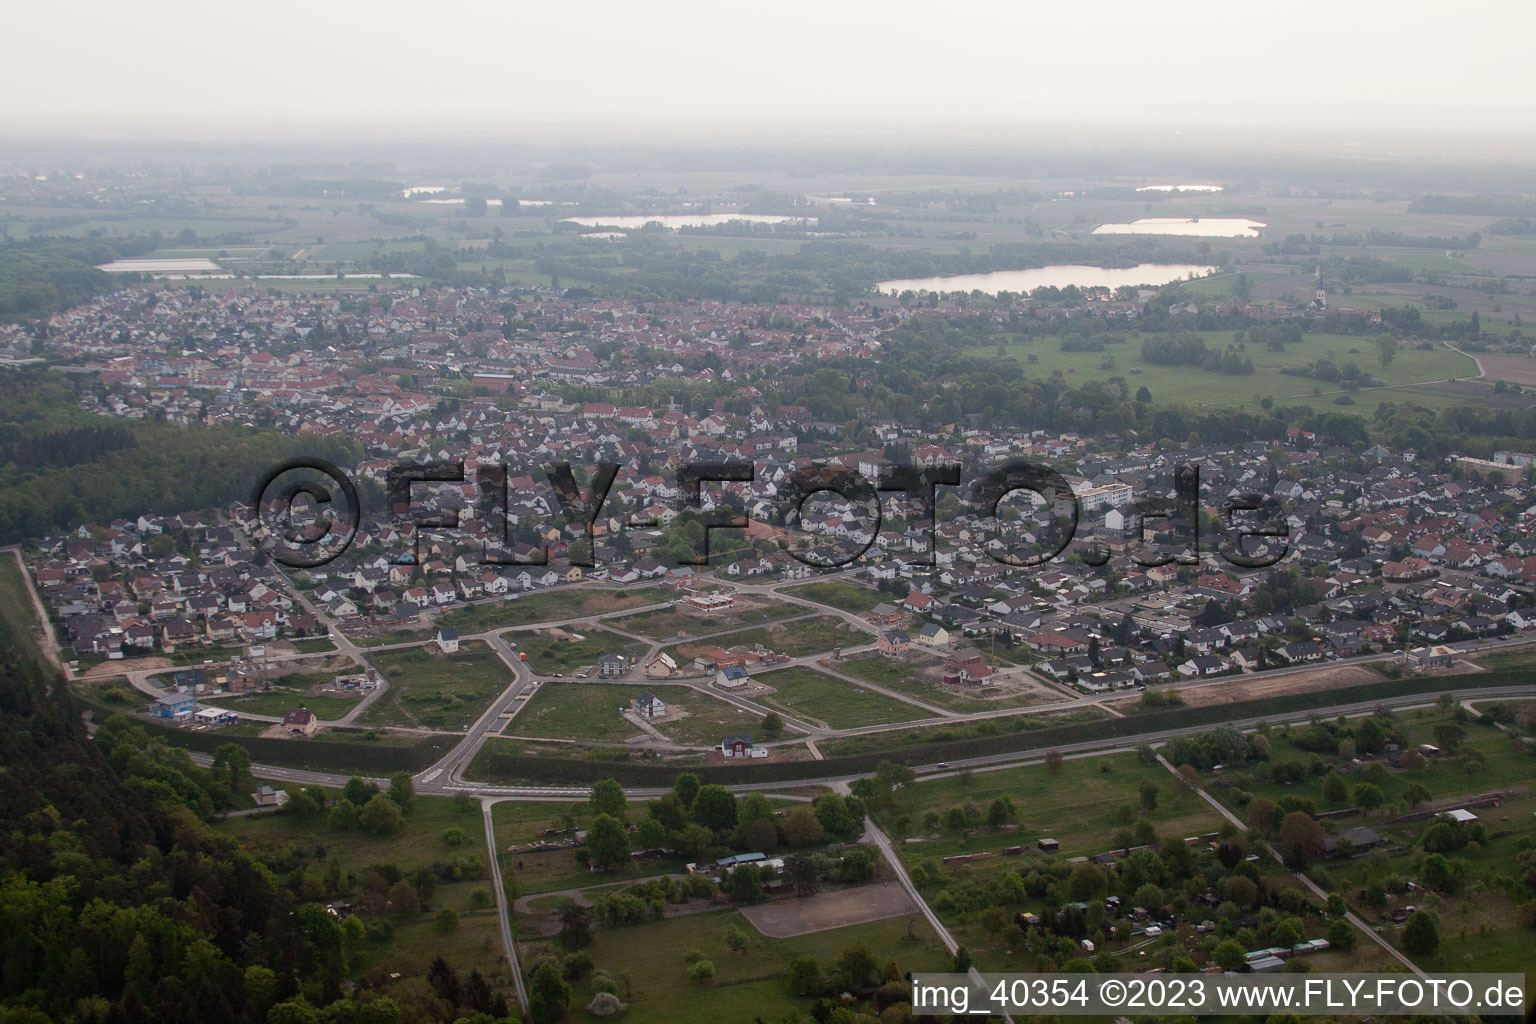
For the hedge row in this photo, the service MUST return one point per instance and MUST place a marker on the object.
(315, 755)
(382, 759)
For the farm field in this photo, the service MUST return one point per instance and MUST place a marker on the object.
(820, 698)
(428, 689)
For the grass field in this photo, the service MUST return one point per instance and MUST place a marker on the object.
(576, 711)
(838, 594)
(437, 691)
(648, 960)
(813, 634)
(906, 676)
(286, 695)
(548, 656)
(550, 606)
(820, 698)
(1083, 807)
(709, 718)
(1188, 386)
(663, 624)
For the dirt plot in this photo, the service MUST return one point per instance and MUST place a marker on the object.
(1472, 391)
(787, 918)
(1237, 688)
(1499, 366)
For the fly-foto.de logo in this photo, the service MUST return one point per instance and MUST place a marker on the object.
(307, 512)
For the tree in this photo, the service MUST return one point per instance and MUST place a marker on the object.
(575, 926)
(1368, 797)
(1449, 736)
(1053, 761)
(802, 874)
(607, 842)
(231, 761)
(343, 817)
(608, 798)
(803, 977)
(1386, 349)
(1087, 882)
(833, 813)
(745, 884)
(772, 725)
(447, 920)
(1438, 874)
(294, 1011)
(1341, 934)
(1416, 794)
(1229, 955)
(381, 816)
(701, 971)
(715, 808)
(802, 827)
(1301, 839)
(1335, 789)
(1421, 935)
(358, 791)
(549, 995)
(402, 791)
(1262, 815)
(669, 810)
(687, 788)
(1149, 795)
(735, 940)
(403, 901)
(895, 775)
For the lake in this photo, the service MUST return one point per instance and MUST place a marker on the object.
(1143, 274)
(1205, 227)
(680, 220)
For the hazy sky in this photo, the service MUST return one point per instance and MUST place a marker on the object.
(347, 67)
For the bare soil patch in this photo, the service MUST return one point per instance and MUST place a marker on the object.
(785, 919)
(1240, 688)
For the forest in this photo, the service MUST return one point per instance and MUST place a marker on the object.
(63, 466)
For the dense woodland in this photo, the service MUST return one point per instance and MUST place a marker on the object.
(60, 466)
